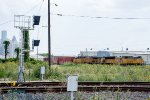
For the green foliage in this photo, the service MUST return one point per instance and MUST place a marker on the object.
(44, 54)
(8, 70)
(26, 45)
(8, 60)
(34, 66)
(34, 61)
(86, 72)
(2, 72)
(6, 45)
(55, 74)
(36, 72)
(17, 51)
(97, 72)
(68, 64)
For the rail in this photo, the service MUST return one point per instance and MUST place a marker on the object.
(40, 87)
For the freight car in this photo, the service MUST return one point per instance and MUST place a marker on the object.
(126, 60)
(58, 60)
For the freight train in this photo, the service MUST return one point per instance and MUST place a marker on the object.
(125, 60)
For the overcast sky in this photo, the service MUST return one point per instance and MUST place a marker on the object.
(72, 34)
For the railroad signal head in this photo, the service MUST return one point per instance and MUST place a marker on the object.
(36, 20)
(36, 42)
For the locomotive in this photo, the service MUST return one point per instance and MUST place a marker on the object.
(124, 60)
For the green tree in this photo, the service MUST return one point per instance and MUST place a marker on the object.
(6, 45)
(26, 45)
(17, 51)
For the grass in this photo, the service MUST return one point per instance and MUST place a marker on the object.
(96, 72)
(86, 72)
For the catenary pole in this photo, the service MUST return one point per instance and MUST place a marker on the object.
(49, 37)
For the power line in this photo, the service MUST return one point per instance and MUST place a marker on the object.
(80, 16)
(6, 22)
(40, 7)
(99, 17)
(35, 6)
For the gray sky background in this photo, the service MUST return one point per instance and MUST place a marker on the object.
(70, 35)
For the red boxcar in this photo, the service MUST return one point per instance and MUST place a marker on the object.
(60, 59)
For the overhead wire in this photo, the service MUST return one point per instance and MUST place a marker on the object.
(40, 7)
(35, 6)
(70, 15)
(6, 22)
(97, 17)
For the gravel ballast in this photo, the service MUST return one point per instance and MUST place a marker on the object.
(103, 95)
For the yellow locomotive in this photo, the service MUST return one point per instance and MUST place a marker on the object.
(125, 60)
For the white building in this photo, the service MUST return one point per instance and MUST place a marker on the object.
(144, 54)
(94, 54)
(88, 53)
(13, 45)
(3, 38)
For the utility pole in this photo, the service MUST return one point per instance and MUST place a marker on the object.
(49, 37)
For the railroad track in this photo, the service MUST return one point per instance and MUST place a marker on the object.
(40, 87)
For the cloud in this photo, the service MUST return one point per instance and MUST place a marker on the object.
(101, 5)
(104, 6)
(132, 4)
(78, 5)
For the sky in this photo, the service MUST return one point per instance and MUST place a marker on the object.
(72, 34)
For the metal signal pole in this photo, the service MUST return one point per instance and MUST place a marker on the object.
(49, 37)
(23, 23)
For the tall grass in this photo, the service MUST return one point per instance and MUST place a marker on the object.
(86, 72)
(8, 70)
(96, 72)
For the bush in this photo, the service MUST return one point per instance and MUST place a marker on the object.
(8, 60)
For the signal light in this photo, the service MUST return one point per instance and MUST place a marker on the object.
(36, 20)
(36, 42)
